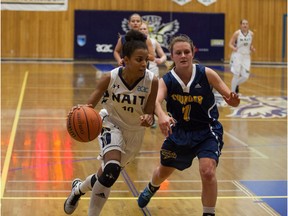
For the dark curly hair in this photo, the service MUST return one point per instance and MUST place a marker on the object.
(134, 40)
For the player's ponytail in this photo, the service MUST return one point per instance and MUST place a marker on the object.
(134, 40)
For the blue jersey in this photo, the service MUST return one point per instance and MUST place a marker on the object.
(197, 131)
(193, 105)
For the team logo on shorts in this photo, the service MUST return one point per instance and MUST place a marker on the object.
(166, 154)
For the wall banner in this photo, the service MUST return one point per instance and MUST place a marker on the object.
(181, 2)
(34, 5)
(95, 37)
(207, 2)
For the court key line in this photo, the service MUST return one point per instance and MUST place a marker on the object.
(154, 198)
(257, 200)
(12, 136)
(134, 191)
(246, 145)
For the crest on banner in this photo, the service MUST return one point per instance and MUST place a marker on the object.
(81, 40)
(207, 2)
(162, 32)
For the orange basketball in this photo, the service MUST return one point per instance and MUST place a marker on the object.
(84, 124)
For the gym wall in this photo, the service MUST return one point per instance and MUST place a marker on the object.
(50, 35)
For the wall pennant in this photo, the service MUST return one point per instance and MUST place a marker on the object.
(207, 2)
(181, 2)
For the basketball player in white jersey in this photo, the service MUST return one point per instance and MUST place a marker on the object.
(134, 22)
(241, 45)
(128, 98)
(160, 56)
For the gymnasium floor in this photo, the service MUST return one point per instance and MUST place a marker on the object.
(39, 159)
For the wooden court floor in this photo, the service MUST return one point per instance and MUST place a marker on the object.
(39, 159)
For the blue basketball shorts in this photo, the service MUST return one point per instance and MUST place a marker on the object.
(206, 143)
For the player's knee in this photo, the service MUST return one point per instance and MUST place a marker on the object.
(207, 174)
(246, 75)
(207, 170)
(110, 173)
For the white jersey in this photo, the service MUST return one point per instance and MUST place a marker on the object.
(152, 64)
(244, 42)
(240, 61)
(126, 104)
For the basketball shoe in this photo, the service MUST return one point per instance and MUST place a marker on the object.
(146, 195)
(237, 89)
(71, 202)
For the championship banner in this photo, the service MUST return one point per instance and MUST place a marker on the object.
(34, 5)
(96, 32)
(206, 2)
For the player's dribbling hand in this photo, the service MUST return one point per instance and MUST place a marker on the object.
(78, 107)
(146, 120)
(233, 99)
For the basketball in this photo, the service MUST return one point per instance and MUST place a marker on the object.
(84, 124)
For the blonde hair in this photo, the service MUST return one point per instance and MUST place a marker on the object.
(180, 38)
(135, 14)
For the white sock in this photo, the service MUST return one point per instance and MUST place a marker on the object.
(86, 184)
(98, 198)
(210, 210)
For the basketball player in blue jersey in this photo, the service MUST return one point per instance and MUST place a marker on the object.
(135, 22)
(240, 62)
(128, 98)
(191, 126)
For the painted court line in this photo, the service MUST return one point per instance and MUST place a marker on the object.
(140, 157)
(57, 191)
(246, 145)
(49, 181)
(12, 136)
(154, 198)
(236, 139)
(119, 191)
(222, 157)
(64, 151)
(257, 199)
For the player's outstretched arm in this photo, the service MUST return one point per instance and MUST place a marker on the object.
(214, 79)
(232, 100)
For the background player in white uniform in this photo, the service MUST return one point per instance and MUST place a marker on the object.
(128, 97)
(135, 22)
(160, 56)
(241, 44)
